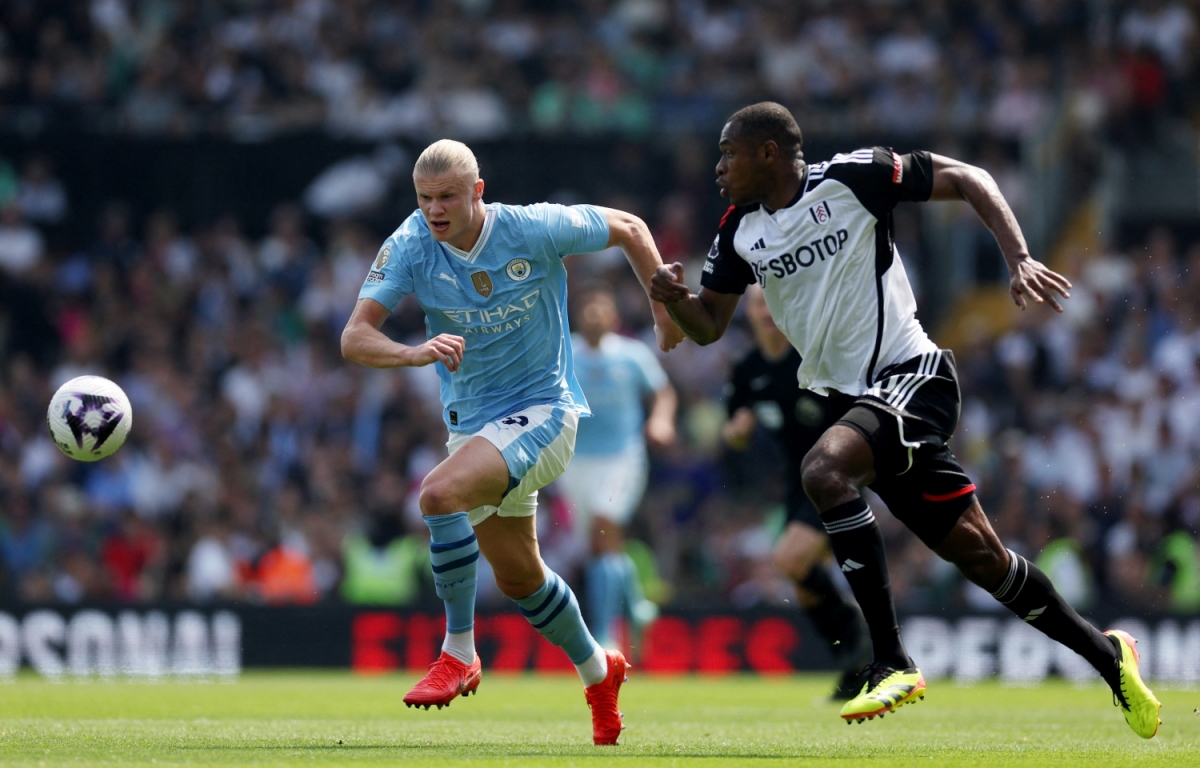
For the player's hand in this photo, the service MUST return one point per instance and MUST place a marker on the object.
(737, 431)
(660, 433)
(667, 286)
(667, 334)
(1033, 279)
(444, 348)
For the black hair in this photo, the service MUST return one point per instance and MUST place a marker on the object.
(769, 121)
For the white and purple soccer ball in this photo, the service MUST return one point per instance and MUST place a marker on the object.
(89, 417)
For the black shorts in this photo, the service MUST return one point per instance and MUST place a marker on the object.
(907, 417)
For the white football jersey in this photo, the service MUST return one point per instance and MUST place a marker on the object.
(829, 268)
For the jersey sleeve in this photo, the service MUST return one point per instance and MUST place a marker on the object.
(880, 177)
(391, 275)
(724, 270)
(571, 228)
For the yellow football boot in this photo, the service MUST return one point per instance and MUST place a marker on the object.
(883, 689)
(1135, 699)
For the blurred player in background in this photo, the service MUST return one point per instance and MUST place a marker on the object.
(763, 392)
(818, 239)
(491, 281)
(605, 481)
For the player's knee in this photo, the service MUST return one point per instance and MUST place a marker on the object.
(824, 482)
(436, 498)
(787, 564)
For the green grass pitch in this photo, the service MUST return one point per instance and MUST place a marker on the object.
(325, 718)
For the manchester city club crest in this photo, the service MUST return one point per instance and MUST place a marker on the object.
(385, 253)
(482, 283)
(518, 269)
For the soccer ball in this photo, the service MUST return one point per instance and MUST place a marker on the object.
(89, 417)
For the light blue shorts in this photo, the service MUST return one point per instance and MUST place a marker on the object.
(537, 444)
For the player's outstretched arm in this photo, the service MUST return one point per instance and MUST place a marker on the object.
(364, 343)
(954, 180)
(631, 235)
(703, 318)
(660, 424)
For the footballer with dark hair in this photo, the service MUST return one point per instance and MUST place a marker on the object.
(818, 239)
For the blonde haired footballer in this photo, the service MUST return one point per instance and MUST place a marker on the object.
(491, 281)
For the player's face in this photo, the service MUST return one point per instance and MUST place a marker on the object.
(599, 316)
(449, 203)
(739, 170)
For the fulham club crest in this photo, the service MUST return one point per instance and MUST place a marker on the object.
(820, 213)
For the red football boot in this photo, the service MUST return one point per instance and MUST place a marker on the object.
(446, 679)
(602, 698)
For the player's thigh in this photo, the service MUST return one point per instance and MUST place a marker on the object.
(799, 548)
(510, 546)
(535, 446)
(475, 474)
(931, 496)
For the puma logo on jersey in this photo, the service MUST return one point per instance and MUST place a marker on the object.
(805, 256)
(451, 278)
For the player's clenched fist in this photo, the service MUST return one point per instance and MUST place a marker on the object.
(444, 348)
(667, 284)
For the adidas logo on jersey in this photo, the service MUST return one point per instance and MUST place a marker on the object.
(850, 565)
(760, 244)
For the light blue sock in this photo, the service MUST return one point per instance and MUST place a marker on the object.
(455, 554)
(631, 586)
(603, 602)
(554, 612)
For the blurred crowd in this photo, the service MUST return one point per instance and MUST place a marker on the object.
(262, 467)
(481, 69)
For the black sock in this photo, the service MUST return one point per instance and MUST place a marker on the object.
(1028, 593)
(858, 546)
(832, 616)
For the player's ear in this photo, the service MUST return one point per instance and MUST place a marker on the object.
(768, 150)
(479, 189)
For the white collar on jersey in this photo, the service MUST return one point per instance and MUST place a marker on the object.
(489, 221)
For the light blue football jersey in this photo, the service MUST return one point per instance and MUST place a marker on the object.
(507, 298)
(616, 378)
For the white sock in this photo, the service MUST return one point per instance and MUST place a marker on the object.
(461, 645)
(595, 669)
